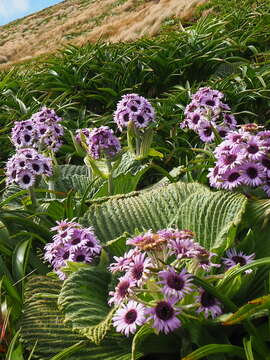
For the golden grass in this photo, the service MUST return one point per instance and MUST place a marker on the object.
(75, 22)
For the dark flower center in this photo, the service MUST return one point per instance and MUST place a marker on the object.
(64, 234)
(266, 163)
(19, 141)
(26, 179)
(80, 258)
(46, 167)
(137, 271)
(22, 163)
(29, 156)
(252, 172)
(36, 167)
(57, 130)
(229, 159)
(196, 119)
(131, 316)
(123, 288)
(29, 127)
(90, 244)
(27, 137)
(42, 131)
(233, 176)
(140, 119)
(133, 108)
(210, 102)
(126, 117)
(175, 282)
(222, 133)
(75, 241)
(228, 118)
(66, 255)
(239, 260)
(208, 131)
(207, 300)
(13, 174)
(164, 310)
(252, 149)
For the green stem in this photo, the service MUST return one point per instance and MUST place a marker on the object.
(51, 188)
(110, 178)
(33, 198)
(138, 146)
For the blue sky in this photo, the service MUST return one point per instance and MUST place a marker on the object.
(13, 9)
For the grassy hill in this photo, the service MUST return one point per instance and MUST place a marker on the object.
(78, 22)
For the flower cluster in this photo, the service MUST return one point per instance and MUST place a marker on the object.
(136, 109)
(71, 243)
(243, 158)
(207, 112)
(163, 262)
(42, 130)
(102, 142)
(24, 167)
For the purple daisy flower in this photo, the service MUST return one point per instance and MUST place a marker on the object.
(121, 263)
(233, 258)
(184, 248)
(232, 179)
(128, 317)
(164, 315)
(71, 244)
(138, 268)
(252, 174)
(254, 148)
(175, 284)
(103, 142)
(23, 167)
(205, 131)
(122, 290)
(136, 109)
(209, 305)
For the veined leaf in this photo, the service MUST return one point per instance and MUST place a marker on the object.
(215, 349)
(83, 300)
(213, 216)
(43, 321)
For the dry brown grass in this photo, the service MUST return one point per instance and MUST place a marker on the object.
(78, 22)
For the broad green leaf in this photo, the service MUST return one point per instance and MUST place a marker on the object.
(215, 349)
(143, 210)
(213, 217)
(43, 322)
(84, 302)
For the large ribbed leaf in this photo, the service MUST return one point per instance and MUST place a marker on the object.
(42, 322)
(154, 210)
(212, 216)
(83, 300)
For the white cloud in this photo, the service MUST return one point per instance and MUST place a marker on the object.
(10, 8)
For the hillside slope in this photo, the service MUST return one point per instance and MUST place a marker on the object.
(80, 21)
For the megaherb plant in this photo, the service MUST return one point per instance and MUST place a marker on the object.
(175, 269)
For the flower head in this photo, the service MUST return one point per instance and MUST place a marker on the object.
(103, 142)
(136, 109)
(233, 258)
(164, 315)
(71, 243)
(128, 317)
(175, 284)
(122, 290)
(208, 304)
(23, 167)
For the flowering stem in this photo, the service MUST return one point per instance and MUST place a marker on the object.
(33, 198)
(51, 188)
(138, 146)
(110, 178)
